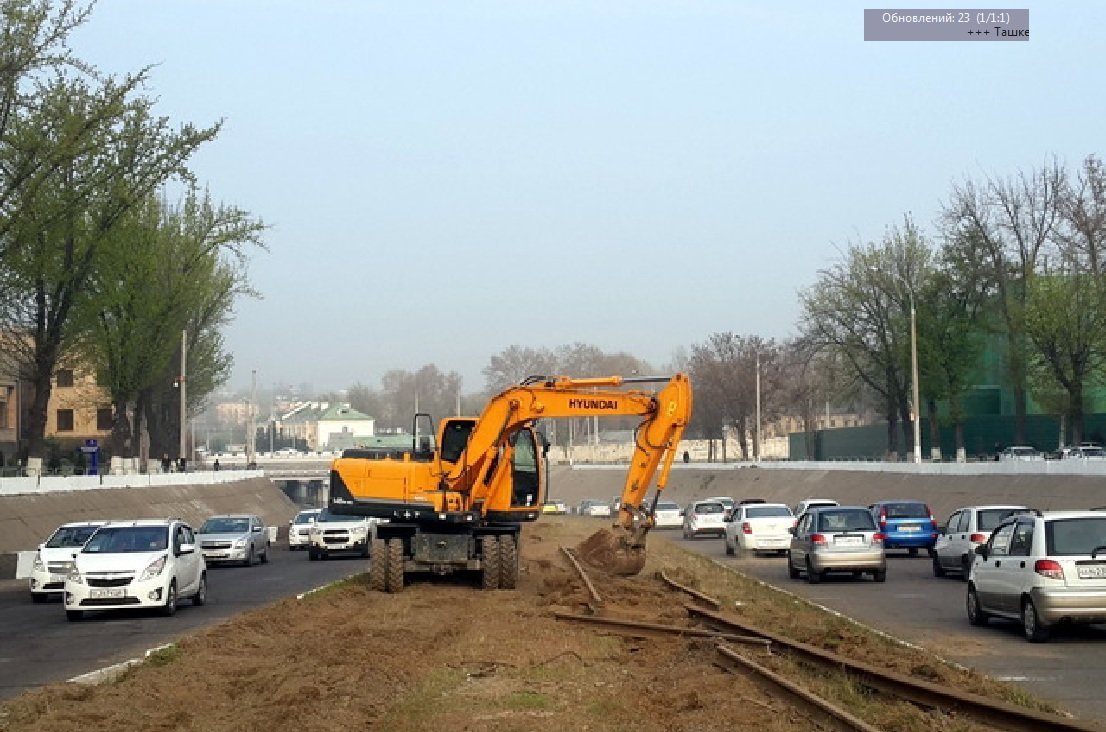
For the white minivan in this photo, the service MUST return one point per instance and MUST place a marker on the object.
(54, 558)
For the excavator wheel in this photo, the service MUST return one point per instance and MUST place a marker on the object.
(489, 577)
(378, 565)
(508, 563)
(394, 578)
(610, 552)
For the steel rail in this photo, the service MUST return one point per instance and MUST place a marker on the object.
(814, 705)
(701, 597)
(988, 711)
(596, 599)
(640, 628)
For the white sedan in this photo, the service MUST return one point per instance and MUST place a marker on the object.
(759, 527)
(667, 515)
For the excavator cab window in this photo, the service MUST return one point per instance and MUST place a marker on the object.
(455, 436)
(525, 478)
(422, 449)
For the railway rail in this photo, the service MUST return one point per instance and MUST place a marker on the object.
(990, 713)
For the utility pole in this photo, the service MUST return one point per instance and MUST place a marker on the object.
(756, 445)
(914, 378)
(272, 418)
(251, 422)
(183, 401)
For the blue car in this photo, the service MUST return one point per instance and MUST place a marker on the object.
(906, 525)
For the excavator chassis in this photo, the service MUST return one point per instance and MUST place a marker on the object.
(440, 548)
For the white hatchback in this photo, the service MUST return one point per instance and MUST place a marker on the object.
(149, 563)
(54, 558)
(704, 517)
(667, 515)
(759, 527)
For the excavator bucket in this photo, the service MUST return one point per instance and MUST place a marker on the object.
(609, 550)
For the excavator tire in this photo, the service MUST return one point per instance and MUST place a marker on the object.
(609, 552)
(489, 576)
(378, 565)
(508, 563)
(394, 578)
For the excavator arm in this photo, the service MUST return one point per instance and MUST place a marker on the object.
(665, 415)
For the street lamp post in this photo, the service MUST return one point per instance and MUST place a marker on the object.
(916, 404)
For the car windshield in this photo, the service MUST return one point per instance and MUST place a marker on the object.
(306, 517)
(70, 536)
(1092, 451)
(668, 506)
(326, 516)
(709, 508)
(1075, 536)
(767, 511)
(225, 525)
(127, 540)
(854, 520)
(905, 510)
(989, 518)
(1022, 451)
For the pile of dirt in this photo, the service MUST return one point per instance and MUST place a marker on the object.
(443, 654)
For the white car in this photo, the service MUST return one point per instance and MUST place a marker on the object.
(704, 517)
(759, 527)
(667, 515)
(967, 528)
(1021, 452)
(55, 558)
(148, 563)
(808, 503)
(592, 507)
(299, 528)
(337, 533)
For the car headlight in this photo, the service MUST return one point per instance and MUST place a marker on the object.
(38, 565)
(153, 569)
(240, 543)
(74, 576)
(359, 529)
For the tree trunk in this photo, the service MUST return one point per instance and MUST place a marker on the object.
(122, 443)
(1075, 408)
(934, 430)
(892, 434)
(36, 415)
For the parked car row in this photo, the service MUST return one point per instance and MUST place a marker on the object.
(1082, 451)
(140, 563)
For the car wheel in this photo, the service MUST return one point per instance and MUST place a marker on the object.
(938, 570)
(913, 551)
(1035, 630)
(250, 559)
(39, 597)
(265, 555)
(201, 592)
(170, 607)
(965, 567)
(312, 554)
(378, 565)
(74, 615)
(976, 616)
(811, 576)
(792, 572)
(729, 548)
(880, 575)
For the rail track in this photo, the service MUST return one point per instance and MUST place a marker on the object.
(731, 631)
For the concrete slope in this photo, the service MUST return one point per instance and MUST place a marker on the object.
(26, 520)
(944, 493)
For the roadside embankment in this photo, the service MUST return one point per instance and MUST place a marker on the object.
(26, 520)
(944, 493)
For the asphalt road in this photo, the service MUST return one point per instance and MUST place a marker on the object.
(38, 645)
(919, 608)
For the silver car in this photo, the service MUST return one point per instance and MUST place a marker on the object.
(967, 528)
(234, 538)
(836, 539)
(1042, 568)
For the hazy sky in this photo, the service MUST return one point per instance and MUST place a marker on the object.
(445, 179)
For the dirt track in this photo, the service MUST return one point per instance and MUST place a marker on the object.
(444, 655)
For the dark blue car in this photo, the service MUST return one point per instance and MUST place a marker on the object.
(906, 525)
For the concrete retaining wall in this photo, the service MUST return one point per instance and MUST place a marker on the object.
(26, 520)
(944, 492)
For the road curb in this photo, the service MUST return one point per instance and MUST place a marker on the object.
(114, 671)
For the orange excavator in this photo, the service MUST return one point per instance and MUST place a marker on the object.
(456, 500)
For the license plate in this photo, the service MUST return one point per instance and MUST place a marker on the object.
(910, 527)
(106, 592)
(1092, 572)
(848, 540)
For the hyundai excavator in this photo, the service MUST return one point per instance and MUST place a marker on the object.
(458, 503)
